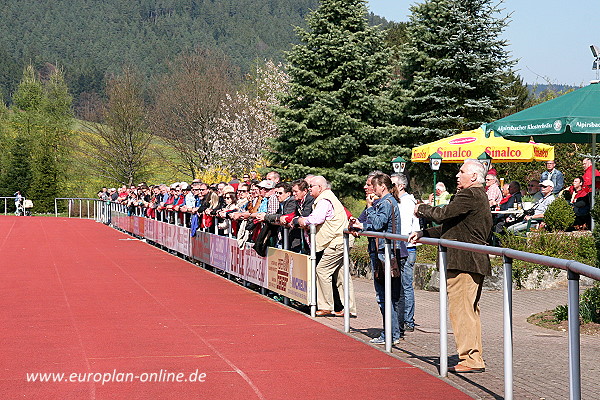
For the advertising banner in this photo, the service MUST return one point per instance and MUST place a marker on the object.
(237, 259)
(255, 267)
(149, 228)
(201, 247)
(219, 252)
(288, 274)
(182, 240)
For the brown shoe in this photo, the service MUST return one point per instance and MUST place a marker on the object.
(324, 313)
(341, 314)
(463, 369)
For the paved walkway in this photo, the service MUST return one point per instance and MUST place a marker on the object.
(540, 355)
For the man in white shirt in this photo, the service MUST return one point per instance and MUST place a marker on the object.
(408, 223)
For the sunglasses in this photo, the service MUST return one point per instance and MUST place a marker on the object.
(279, 193)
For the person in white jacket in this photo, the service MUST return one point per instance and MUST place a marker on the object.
(408, 223)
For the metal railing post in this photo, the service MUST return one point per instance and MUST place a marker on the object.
(346, 283)
(80, 209)
(286, 238)
(313, 271)
(387, 313)
(574, 345)
(443, 313)
(55, 208)
(508, 331)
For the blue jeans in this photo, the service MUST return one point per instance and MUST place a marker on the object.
(407, 298)
(380, 296)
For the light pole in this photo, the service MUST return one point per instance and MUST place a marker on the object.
(435, 162)
(399, 165)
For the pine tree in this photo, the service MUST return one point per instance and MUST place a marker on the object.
(337, 105)
(26, 123)
(454, 65)
(50, 150)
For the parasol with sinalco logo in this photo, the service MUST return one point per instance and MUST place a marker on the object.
(471, 144)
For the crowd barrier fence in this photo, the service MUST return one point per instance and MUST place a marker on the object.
(293, 275)
(574, 270)
(6, 203)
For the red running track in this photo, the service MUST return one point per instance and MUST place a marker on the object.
(80, 299)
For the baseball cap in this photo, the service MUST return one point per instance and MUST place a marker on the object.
(547, 182)
(267, 184)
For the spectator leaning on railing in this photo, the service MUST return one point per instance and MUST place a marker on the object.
(408, 223)
(466, 218)
(330, 218)
(384, 217)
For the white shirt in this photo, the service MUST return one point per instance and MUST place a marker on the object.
(408, 221)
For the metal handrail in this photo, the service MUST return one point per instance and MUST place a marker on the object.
(6, 203)
(574, 269)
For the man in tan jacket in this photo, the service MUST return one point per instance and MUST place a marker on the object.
(466, 218)
(330, 218)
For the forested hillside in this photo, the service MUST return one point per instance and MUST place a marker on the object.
(88, 38)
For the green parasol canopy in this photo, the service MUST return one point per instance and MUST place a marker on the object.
(571, 118)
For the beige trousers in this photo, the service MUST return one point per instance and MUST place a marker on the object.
(464, 292)
(332, 262)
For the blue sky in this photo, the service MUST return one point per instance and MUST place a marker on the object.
(551, 38)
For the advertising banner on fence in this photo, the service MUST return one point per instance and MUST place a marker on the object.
(219, 252)
(183, 240)
(288, 274)
(247, 264)
(201, 247)
(149, 229)
(255, 267)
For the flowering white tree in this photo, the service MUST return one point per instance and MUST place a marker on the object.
(247, 124)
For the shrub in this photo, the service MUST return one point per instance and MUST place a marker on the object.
(576, 246)
(561, 313)
(589, 306)
(559, 215)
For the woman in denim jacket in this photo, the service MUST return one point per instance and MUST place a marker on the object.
(380, 219)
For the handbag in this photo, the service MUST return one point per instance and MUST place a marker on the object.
(379, 267)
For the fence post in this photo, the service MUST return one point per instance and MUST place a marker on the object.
(574, 345)
(55, 208)
(286, 246)
(346, 282)
(387, 313)
(286, 238)
(508, 331)
(313, 271)
(443, 316)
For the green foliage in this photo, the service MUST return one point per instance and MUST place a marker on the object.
(589, 306)
(578, 246)
(561, 313)
(454, 67)
(93, 39)
(559, 215)
(337, 106)
(39, 138)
